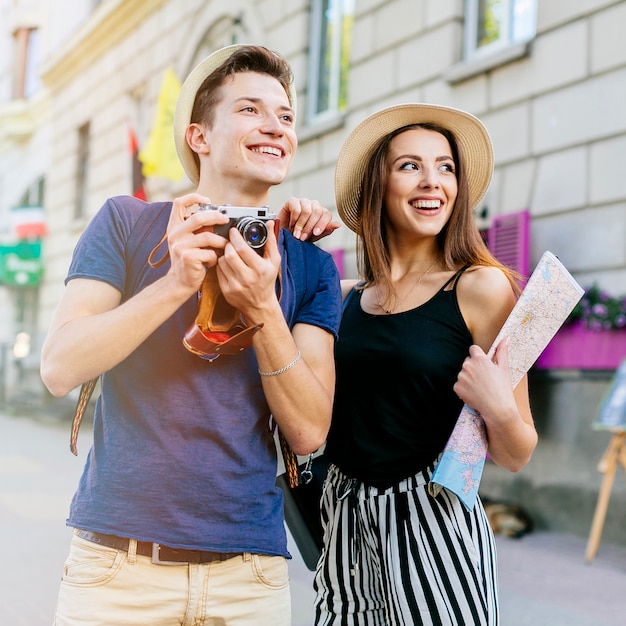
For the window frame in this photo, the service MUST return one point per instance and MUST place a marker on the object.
(471, 49)
(82, 170)
(341, 9)
(26, 44)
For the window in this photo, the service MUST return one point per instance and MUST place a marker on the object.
(223, 32)
(34, 194)
(82, 171)
(491, 25)
(331, 29)
(26, 68)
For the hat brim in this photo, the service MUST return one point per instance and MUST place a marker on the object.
(470, 133)
(186, 100)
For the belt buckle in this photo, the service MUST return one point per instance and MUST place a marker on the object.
(156, 559)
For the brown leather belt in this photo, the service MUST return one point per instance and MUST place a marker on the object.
(160, 554)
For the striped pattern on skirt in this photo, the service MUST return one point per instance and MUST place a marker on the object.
(399, 557)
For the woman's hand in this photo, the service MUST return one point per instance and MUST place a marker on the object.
(307, 219)
(485, 385)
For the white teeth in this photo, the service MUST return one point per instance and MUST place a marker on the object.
(268, 150)
(426, 204)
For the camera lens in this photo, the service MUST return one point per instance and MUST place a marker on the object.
(253, 231)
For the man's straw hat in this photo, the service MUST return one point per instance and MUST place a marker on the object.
(470, 133)
(186, 99)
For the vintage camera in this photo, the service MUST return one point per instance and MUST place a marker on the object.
(249, 221)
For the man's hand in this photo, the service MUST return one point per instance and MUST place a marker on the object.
(248, 280)
(192, 244)
(307, 219)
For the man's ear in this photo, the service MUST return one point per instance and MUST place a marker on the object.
(197, 139)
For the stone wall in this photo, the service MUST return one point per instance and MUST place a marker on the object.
(560, 485)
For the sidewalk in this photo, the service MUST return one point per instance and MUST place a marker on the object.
(544, 579)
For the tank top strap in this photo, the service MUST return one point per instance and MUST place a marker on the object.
(454, 279)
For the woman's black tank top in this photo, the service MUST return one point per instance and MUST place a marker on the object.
(394, 405)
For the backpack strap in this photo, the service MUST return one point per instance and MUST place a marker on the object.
(86, 390)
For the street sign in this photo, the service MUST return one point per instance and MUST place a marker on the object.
(21, 264)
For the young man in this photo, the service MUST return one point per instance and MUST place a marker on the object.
(177, 518)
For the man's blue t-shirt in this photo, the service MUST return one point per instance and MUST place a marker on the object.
(183, 454)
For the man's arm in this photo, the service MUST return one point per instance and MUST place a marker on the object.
(300, 396)
(91, 331)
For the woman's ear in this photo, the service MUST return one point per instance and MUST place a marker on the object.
(196, 138)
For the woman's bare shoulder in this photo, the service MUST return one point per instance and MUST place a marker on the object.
(486, 298)
(486, 282)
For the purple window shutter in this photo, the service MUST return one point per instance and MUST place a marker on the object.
(337, 255)
(508, 239)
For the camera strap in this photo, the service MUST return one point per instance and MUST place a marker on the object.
(218, 328)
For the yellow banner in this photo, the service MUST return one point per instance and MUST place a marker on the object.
(159, 156)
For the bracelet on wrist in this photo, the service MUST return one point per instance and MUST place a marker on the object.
(282, 369)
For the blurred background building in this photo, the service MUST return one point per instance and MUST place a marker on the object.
(87, 90)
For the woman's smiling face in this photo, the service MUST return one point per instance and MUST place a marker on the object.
(421, 186)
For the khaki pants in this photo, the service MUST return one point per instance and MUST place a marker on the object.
(103, 586)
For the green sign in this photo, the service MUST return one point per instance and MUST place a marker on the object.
(21, 264)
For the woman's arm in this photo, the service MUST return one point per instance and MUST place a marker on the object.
(486, 300)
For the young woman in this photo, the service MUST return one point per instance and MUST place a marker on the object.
(411, 351)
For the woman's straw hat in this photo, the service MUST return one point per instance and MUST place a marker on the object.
(186, 99)
(470, 133)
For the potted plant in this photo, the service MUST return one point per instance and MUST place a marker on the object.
(593, 337)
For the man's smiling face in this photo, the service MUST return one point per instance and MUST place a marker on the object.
(252, 141)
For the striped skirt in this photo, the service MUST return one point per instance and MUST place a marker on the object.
(398, 556)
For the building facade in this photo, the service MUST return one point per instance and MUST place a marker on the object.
(547, 77)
